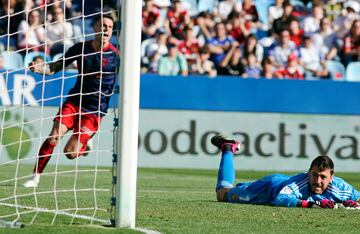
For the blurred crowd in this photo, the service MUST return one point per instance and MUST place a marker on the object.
(249, 38)
(245, 38)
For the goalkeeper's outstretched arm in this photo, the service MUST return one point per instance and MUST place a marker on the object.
(46, 68)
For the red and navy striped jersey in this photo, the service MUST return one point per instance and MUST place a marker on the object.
(96, 76)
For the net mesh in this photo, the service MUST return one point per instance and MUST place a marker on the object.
(70, 191)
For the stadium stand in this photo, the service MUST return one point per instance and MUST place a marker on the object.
(337, 70)
(353, 71)
(12, 60)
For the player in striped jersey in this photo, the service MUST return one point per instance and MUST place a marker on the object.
(316, 188)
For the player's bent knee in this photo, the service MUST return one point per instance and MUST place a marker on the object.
(221, 194)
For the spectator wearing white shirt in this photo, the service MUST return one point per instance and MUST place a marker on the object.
(312, 22)
(312, 60)
(275, 11)
(326, 40)
(59, 32)
(280, 53)
(31, 33)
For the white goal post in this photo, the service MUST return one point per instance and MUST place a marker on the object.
(129, 113)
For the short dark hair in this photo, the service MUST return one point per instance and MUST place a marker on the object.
(99, 17)
(323, 162)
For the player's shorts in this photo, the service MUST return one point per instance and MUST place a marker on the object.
(261, 191)
(84, 125)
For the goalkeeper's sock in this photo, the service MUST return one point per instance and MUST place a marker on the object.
(45, 153)
(226, 173)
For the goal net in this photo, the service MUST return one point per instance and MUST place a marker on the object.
(70, 191)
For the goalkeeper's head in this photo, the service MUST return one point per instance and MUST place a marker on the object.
(103, 28)
(320, 173)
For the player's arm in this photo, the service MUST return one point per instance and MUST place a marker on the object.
(353, 196)
(46, 68)
(50, 68)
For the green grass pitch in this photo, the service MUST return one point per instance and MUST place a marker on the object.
(176, 201)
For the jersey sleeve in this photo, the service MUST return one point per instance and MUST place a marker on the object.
(286, 197)
(73, 53)
(343, 190)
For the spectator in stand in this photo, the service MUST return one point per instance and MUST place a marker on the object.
(220, 44)
(203, 65)
(351, 50)
(154, 48)
(312, 60)
(251, 46)
(342, 24)
(239, 27)
(52, 5)
(280, 53)
(275, 11)
(174, 63)
(268, 69)
(231, 65)
(296, 33)
(38, 61)
(59, 33)
(224, 8)
(292, 70)
(32, 33)
(284, 21)
(252, 69)
(151, 20)
(189, 46)
(206, 25)
(176, 20)
(326, 40)
(312, 22)
(250, 14)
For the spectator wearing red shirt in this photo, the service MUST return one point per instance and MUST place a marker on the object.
(190, 46)
(249, 12)
(296, 33)
(239, 27)
(351, 48)
(292, 70)
(176, 20)
(151, 20)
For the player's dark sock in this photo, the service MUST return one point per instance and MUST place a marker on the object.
(45, 153)
(226, 173)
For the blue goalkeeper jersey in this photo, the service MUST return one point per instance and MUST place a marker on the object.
(283, 190)
(96, 76)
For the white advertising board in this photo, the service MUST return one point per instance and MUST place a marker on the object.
(181, 139)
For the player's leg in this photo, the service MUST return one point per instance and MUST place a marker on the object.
(226, 173)
(83, 131)
(63, 121)
(58, 130)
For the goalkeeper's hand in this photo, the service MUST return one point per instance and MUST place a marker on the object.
(325, 203)
(350, 203)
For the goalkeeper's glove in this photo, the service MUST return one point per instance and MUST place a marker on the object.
(325, 203)
(350, 203)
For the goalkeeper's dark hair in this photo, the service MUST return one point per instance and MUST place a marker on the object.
(323, 162)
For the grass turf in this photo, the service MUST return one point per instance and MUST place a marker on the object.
(177, 201)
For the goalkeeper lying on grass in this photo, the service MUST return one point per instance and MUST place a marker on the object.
(316, 188)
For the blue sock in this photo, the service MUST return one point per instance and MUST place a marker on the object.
(226, 173)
